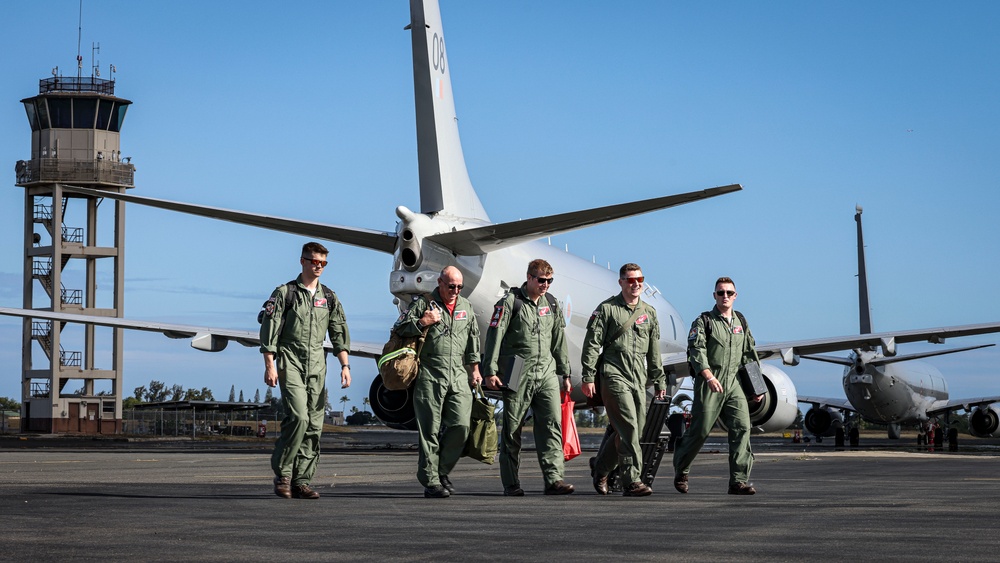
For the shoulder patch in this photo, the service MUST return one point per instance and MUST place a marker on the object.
(693, 334)
(595, 315)
(269, 307)
(497, 315)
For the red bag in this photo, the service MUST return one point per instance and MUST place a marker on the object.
(571, 440)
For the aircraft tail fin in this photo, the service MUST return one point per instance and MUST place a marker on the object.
(865, 311)
(444, 179)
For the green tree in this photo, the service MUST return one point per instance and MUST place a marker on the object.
(232, 394)
(204, 394)
(176, 392)
(361, 418)
(8, 404)
(140, 393)
(269, 395)
(343, 401)
(241, 395)
(156, 392)
(256, 396)
(365, 402)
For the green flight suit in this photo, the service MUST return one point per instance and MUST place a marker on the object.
(729, 346)
(625, 367)
(442, 396)
(537, 335)
(296, 340)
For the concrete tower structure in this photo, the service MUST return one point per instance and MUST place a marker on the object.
(71, 380)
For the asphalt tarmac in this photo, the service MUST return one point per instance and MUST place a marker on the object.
(117, 500)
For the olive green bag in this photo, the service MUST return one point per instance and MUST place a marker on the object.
(482, 442)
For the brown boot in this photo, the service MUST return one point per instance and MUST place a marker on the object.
(637, 489)
(559, 488)
(681, 482)
(304, 491)
(283, 487)
(742, 489)
(601, 484)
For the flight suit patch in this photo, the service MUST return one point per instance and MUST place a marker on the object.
(461, 315)
(497, 315)
(642, 320)
(737, 329)
(321, 302)
(543, 311)
(693, 334)
(269, 307)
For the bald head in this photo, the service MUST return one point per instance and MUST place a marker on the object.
(450, 284)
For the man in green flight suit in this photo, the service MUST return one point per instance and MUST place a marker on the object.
(295, 321)
(622, 347)
(526, 322)
(449, 369)
(716, 353)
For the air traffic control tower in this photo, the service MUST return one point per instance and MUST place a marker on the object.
(66, 386)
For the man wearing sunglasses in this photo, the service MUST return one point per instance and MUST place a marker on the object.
(715, 354)
(449, 369)
(536, 333)
(294, 323)
(622, 347)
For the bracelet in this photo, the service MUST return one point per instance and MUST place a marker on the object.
(348, 366)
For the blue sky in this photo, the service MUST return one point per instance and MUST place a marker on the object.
(305, 110)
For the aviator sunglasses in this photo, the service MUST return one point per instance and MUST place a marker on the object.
(725, 293)
(633, 280)
(320, 263)
(544, 280)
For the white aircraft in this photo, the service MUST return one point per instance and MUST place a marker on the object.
(881, 388)
(452, 228)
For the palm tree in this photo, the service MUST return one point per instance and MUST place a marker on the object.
(365, 402)
(344, 400)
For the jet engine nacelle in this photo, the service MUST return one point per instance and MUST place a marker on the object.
(394, 408)
(779, 407)
(984, 422)
(823, 421)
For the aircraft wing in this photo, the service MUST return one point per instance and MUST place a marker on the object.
(480, 240)
(365, 238)
(944, 407)
(207, 339)
(822, 402)
(789, 352)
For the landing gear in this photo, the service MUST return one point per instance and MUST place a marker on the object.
(894, 431)
(854, 436)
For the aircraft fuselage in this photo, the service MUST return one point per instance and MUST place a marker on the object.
(897, 393)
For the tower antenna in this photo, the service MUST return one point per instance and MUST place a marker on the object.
(79, 39)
